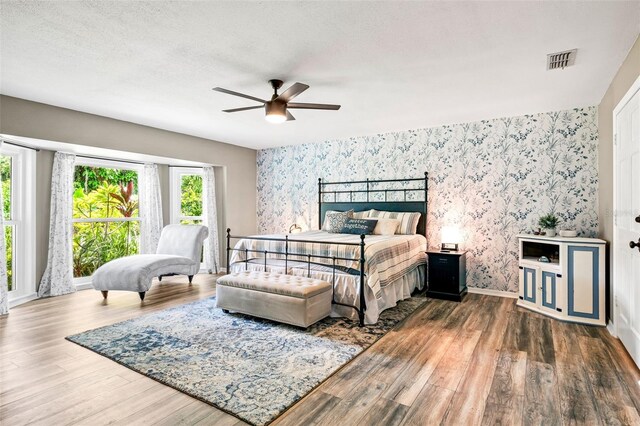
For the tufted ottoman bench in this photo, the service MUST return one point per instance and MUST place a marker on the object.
(284, 298)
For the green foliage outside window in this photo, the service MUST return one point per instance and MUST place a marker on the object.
(5, 175)
(191, 200)
(102, 193)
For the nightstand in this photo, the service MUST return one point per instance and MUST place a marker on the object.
(447, 275)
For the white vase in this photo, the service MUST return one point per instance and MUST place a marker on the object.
(550, 232)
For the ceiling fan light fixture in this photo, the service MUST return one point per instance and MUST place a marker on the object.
(277, 109)
(276, 112)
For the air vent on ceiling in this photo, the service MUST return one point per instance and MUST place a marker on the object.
(561, 59)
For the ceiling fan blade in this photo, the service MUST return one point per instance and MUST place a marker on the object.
(292, 92)
(231, 92)
(313, 106)
(290, 117)
(243, 109)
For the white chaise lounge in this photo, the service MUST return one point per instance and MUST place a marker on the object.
(178, 253)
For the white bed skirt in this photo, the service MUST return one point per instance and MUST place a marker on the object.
(346, 288)
(398, 290)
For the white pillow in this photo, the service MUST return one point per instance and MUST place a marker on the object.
(386, 227)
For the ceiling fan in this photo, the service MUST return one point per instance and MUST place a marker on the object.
(276, 110)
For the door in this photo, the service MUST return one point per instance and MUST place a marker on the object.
(626, 253)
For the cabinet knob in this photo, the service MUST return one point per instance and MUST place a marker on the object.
(633, 244)
(638, 218)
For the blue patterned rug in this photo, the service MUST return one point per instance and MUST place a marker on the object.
(254, 369)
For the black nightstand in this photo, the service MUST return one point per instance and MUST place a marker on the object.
(447, 275)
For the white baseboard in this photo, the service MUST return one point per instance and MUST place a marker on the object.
(22, 299)
(84, 286)
(612, 329)
(491, 292)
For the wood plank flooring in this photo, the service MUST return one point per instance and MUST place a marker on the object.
(480, 362)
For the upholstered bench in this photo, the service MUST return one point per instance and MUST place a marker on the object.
(284, 298)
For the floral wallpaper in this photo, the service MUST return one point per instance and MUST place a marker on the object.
(491, 179)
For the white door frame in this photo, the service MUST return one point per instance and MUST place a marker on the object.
(635, 87)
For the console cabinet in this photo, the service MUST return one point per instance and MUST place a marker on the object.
(563, 277)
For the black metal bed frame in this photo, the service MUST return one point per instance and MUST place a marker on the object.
(336, 205)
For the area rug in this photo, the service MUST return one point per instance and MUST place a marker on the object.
(254, 369)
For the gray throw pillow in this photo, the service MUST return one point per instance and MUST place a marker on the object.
(334, 221)
(358, 226)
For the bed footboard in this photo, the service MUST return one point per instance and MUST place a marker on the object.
(361, 309)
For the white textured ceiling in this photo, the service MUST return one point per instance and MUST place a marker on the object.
(392, 65)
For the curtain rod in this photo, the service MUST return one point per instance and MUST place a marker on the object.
(21, 146)
(134, 162)
(111, 159)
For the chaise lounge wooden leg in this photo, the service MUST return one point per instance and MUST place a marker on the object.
(105, 293)
(226, 311)
(190, 278)
(142, 293)
(159, 277)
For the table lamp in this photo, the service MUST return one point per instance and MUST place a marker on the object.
(450, 238)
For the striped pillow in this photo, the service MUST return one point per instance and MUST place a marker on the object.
(408, 221)
(362, 215)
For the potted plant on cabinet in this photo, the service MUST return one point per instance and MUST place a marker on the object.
(549, 223)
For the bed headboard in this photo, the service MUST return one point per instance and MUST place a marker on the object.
(393, 195)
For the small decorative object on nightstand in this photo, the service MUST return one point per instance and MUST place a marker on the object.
(447, 275)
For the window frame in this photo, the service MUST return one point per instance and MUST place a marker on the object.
(175, 196)
(23, 201)
(175, 193)
(85, 282)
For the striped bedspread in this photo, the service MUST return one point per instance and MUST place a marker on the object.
(387, 257)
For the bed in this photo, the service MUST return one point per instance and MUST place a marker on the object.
(369, 273)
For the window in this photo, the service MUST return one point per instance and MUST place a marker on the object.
(6, 171)
(17, 169)
(186, 196)
(106, 224)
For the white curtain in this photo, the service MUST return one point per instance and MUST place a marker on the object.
(58, 277)
(150, 207)
(210, 219)
(4, 296)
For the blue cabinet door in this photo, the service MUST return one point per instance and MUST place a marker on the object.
(549, 289)
(583, 282)
(529, 284)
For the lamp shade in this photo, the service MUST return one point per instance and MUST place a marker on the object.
(451, 235)
(276, 112)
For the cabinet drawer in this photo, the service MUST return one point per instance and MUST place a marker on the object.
(443, 260)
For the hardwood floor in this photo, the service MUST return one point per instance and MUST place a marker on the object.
(480, 362)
